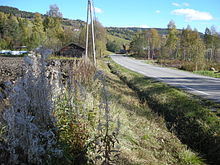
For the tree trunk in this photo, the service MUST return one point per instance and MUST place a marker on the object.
(153, 53)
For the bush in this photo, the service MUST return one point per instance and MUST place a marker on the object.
(58, 120)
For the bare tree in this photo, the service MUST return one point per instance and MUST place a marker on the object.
(54, 11)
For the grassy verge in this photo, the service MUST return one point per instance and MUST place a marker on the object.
(13, 56)
(108, 52)
(177, 64)
(62, 58)
(144, 138)
(193, 123)
(208, 73)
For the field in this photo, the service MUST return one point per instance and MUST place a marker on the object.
(10, 68)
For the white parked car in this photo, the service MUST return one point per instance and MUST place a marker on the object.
(9, 52)
(5, 51)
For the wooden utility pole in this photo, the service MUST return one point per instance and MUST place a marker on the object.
(87, 30)
(90, 15)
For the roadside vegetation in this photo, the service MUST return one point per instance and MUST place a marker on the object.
(209, 69)
(192, 122)
(49, 118)
(208, 73)
(144, 137)
(116, 44)
(88, 116)
(185, 49)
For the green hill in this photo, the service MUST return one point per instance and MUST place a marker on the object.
(30, 15)
(119, 34)
(16, 12)
(128, 32)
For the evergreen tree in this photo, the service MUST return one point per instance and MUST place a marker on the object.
(208, 38)
(138, 44)
(113, 46)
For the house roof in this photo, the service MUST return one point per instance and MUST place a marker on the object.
(76, 46)
(71, 50)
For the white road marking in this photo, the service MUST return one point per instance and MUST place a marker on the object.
(141, 72)
(181, 85)
(195, 90)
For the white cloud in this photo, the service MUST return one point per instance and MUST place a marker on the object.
(141, 26)
(97, 10)
(193, 15)
(186, 4)
(157, 11)
(144, 26)
(175, 4)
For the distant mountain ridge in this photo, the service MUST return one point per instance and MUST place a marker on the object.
(128, 32)
(16, 12)
(30, 15)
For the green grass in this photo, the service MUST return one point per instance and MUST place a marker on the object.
(208, 73)
(200, 72)
(191, 121)
(108, 52)
(143, 138)
(62, 58)
(115, 38)
(14, 56)
(150, 62)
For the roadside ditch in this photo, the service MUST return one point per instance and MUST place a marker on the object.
(192, 122)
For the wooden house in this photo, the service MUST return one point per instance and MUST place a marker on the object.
(71, 50)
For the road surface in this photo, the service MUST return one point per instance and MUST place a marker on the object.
(195, 84)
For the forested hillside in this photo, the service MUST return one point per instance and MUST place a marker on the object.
(24, 14)
(20, 28)
(129, 32)
(16, 12)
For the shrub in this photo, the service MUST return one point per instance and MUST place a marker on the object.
(58, 120)
(31, 135)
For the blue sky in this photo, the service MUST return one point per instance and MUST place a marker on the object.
(129, 13)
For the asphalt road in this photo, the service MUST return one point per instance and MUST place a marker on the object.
(195, 84)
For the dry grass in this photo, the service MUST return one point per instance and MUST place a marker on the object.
(144, 138)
